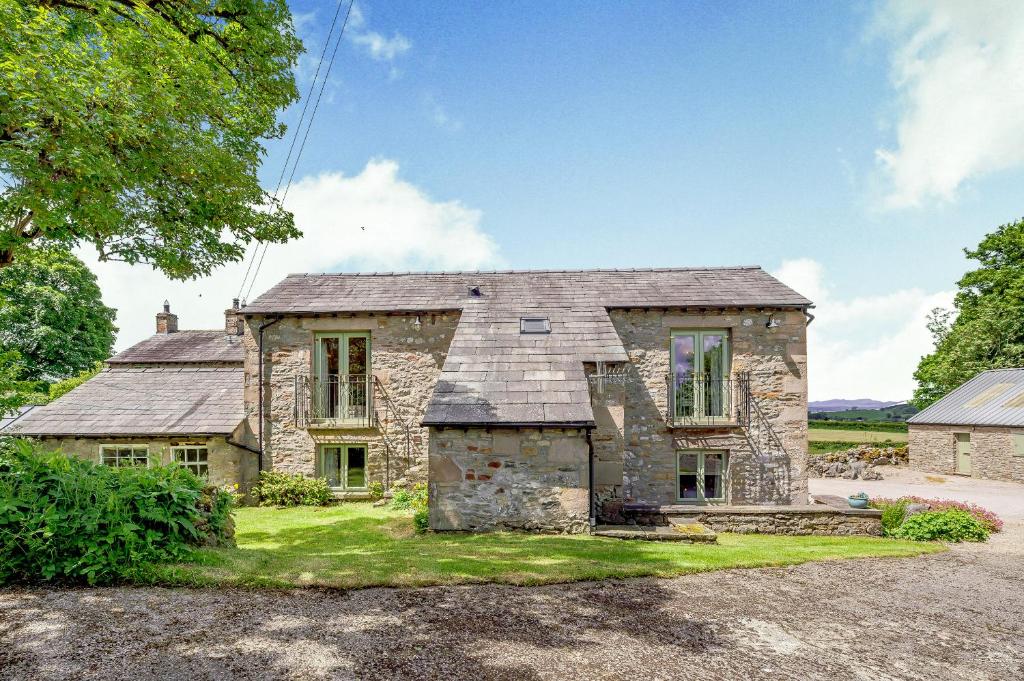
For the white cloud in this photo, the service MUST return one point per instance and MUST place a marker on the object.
(371, 221)
(376, 45)
(958, 68)
(865, 346)
(440, 117)
(381, 48)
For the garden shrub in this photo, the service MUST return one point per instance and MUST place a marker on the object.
(989, 520)
(284, 489)
(403, 498)
(952, 525)
(66, 519)
(893, 513)
(376, 490)
(416, 500)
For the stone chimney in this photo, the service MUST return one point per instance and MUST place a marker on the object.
(166, 321)
(234, 322)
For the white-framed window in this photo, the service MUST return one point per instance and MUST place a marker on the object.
(124, 455)
(193, 457)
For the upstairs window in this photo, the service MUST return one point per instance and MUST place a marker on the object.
(124, 455)
(534, 325)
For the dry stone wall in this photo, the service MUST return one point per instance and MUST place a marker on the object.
(502, 478)
(404, 356)
(760, 471)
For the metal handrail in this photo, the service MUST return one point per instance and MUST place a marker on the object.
(344, 399)
(706, 400)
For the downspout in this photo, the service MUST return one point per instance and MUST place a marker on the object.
(263, 327)
(590, 479)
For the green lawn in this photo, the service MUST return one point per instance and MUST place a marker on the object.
(356, 545)
(857, 436)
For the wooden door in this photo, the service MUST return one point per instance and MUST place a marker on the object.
(963, 453)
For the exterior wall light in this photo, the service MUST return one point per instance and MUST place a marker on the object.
(773, 323)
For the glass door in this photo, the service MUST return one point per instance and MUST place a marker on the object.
(343, 466)
(342, 378)
(700, 375)
(701, 476)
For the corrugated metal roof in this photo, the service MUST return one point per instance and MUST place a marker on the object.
(992, 398)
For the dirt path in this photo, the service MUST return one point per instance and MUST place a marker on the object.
(957, 615)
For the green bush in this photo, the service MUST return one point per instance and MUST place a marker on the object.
(893, 513)
(376, 490)
(421, 520)
(62, 518)
(403, 498)
(284, 489)
(953, 525)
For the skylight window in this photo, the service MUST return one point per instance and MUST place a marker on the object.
(534, 325)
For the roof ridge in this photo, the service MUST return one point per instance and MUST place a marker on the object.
(708, 268)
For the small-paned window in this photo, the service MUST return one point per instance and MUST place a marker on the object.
(193, 458)
(124, 455)
(534, 325)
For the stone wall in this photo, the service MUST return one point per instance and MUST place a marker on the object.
(827, 522)
(407, 360)
(933, 449)
(759, 472)
(228, 464)
(500, 478)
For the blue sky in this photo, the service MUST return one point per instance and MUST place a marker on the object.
(845, 147)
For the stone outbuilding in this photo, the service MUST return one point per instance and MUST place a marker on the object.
(976, 430)
(174, 397)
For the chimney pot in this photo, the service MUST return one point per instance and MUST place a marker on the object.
(166, 321)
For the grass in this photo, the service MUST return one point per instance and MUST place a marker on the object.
(356, 545)
(823, 446)
(854, 436)
(879, 426)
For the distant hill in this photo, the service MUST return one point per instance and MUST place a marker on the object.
(892, 411)
(844, 405)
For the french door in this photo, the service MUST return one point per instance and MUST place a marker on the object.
(343, 466)
(701, 476)
(341, 376)
(701, 383)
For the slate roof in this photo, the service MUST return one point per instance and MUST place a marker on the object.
(992, 398)
(425, 291)
(495, 375)
(184, 347)
(11, 418)
(131, 401)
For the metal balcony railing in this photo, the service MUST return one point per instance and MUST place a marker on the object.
(342, 400)
(707, 401)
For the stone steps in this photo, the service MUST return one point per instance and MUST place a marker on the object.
(688, 533)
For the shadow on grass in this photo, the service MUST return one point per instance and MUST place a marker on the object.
(352, 549)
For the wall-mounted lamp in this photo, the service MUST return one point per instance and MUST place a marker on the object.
(773, 323)
(418, 323)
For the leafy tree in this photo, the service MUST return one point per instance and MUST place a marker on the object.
(987, 329)
(53, 316)
(13, 391)
(137, 126)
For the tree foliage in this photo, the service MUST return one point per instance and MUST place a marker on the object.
(987, 329)
(137, 126)
(52, 315)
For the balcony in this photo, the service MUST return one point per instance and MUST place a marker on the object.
(335, 400)
(696, 401)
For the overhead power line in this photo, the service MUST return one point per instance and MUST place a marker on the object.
(295, 137)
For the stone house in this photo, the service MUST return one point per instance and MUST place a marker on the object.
(174, 397)
(535, 399)
(976, 430)
(541, 400)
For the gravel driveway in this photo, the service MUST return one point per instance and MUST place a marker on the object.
(956, 615)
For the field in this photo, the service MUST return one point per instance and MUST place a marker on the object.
(854, 436)
(833, 436)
